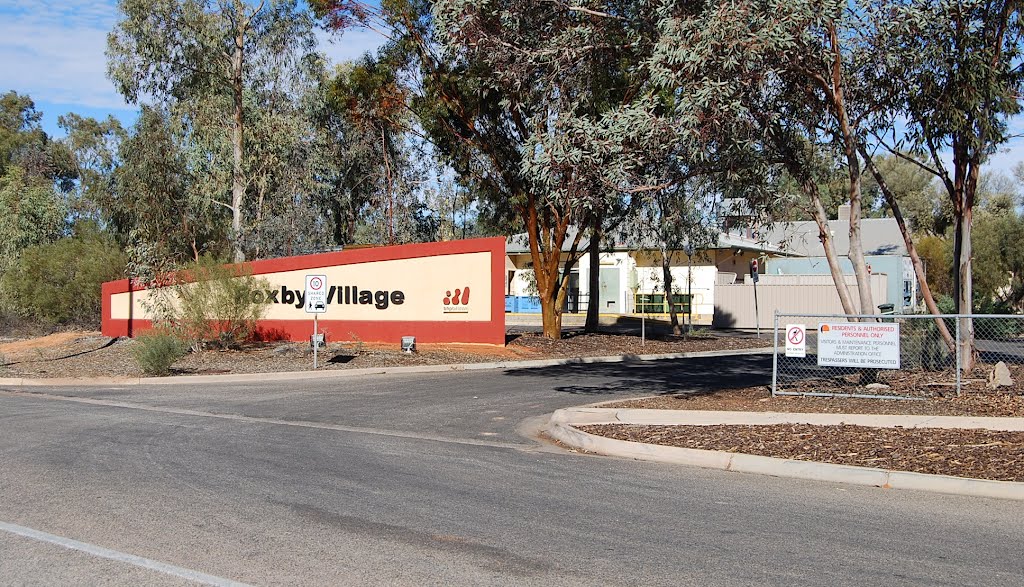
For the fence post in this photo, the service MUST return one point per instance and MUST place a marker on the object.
(959, 357)
(775, 354)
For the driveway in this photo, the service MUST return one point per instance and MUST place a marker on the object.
(425, 480)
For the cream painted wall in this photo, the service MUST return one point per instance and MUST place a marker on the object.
(424, 281)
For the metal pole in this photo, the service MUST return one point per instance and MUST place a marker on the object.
(775, 355)
(689, 290)
(959, 358)
(757, 315)
(316, 341)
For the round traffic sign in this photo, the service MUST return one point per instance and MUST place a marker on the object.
(316, 283)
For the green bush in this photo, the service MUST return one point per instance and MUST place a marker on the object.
(155, 352)
(59, 283)
(211, 303)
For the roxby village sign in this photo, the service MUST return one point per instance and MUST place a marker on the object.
(437, 292)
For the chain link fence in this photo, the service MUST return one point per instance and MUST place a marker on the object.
(897, 356)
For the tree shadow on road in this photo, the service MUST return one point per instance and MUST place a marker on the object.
(664, 377)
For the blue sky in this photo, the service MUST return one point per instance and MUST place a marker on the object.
(53, 51)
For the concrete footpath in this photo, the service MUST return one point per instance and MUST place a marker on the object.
(341, 373)
(562, 426)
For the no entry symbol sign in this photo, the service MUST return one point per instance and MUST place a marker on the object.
(796, 340)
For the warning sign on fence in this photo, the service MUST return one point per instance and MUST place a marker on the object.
(861, 345)
(796, 341)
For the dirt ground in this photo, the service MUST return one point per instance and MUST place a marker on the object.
(89, 354)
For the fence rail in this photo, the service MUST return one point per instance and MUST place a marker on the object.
(895, 356)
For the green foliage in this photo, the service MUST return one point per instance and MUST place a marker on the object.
(31, 213)
(156, 351)
(937, 254)
(93, 145)
(221, 69)
(157, 207)
(211, 303)
(59, 282)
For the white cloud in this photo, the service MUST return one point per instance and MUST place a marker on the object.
(53, 51)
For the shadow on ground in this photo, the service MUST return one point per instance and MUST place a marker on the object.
(656, 377)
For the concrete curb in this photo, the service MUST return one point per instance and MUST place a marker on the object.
(342, 373)
(599, 415)
(561, 424)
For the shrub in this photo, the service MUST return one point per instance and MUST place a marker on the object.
(59, 283)
(155, 352)
(211, 303)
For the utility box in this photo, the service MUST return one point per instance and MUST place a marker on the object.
(408, 344)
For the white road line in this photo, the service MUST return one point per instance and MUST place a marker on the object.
(114, 555)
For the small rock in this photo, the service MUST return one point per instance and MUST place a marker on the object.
(287, 350)
(1000, 376)
(876, 386)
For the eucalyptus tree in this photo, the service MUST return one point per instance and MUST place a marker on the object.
(35, 174)
(94, 145)
(159, 219)
(202, 58)
(789, 78)
(375, 152)
(953, 70)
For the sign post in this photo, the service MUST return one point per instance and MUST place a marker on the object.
(754, 278)
(316, 304)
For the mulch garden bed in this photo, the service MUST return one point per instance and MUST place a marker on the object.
(88, 354)
(973, 402)
(979, 454)
(917, 383)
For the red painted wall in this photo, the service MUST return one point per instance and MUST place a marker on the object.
(491, 332)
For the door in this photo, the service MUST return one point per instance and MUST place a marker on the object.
(609, 282)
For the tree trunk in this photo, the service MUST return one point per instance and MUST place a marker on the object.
(666, 272)
(551, 320)
(546, 259)
(965, 291)
(237, 145)
(594, 297)
(915, 259)
(825, 236)
(856, 252)
(965, 183)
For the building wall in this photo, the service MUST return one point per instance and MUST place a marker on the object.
(734, 304)
(648, 274)
(376, 294)
(896, 268)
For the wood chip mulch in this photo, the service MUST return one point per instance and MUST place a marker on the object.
(758, 399)
(979, 454)
(589, 345)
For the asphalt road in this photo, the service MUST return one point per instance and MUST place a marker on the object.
(427, 480)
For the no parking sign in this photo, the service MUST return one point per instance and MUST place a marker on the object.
(796, 340)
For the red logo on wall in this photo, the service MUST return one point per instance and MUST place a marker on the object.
(457, 303)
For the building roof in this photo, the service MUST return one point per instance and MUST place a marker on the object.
(880, 236)
(519, 244)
